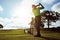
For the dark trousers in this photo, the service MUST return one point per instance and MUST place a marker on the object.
(37, 24)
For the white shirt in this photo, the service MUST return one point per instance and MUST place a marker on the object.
(31, 26)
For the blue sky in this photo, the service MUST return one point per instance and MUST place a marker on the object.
(18, 12)
(49, 4)
(6, 5)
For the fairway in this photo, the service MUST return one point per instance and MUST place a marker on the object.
(19, 35)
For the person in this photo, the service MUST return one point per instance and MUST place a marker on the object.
(27, 31)
(32, 25)
(36, 11)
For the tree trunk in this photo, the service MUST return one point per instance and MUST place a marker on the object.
(48, 23)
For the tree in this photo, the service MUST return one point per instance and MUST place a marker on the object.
(50, 16)
(1, 26)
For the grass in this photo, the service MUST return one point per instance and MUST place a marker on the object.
(17, 32)
(52, 35)
(19, 35)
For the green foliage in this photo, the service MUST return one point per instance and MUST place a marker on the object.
(50, 16)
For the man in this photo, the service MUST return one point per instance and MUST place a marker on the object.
(36, 10)
(32, 25)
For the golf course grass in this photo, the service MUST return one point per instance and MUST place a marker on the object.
(19, 34)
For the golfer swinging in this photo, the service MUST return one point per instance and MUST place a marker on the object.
(36, 11)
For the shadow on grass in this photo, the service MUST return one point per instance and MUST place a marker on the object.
(49, 38)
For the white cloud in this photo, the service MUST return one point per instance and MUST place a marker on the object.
(4, 21)
(48, 1)
(56, 7)
(1, 8)
(10, 23)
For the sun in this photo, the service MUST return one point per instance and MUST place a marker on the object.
(23, 13)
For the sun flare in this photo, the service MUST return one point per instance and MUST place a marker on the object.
(23, 12)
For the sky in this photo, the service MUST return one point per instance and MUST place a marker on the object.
(18, 13)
